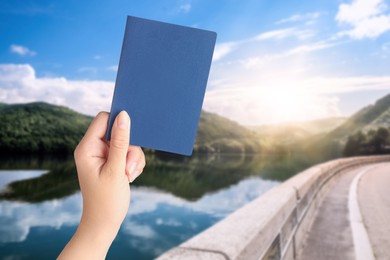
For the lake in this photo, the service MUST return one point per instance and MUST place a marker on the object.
(174, 199)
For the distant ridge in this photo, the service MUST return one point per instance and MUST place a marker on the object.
(292, 132)
(42, 128)
(219, 134)
(370, 117)
(332, 144)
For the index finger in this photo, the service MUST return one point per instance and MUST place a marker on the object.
(97, 129)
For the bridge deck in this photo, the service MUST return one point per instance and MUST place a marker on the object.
(337, 231)
(374, 200)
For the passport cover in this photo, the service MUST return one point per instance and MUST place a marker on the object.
(161, 82)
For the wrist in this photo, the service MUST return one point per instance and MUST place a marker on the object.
(88, 243)
(96, 239)
(99, 233)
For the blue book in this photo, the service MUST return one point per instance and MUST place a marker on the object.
(161, 82)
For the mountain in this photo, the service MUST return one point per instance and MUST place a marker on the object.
(41, 128)
(290, 132)
(322, 125)
(333, 144)
(370, 117)
(217, 133)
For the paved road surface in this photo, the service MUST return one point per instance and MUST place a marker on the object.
(333, 237)
(374, 201)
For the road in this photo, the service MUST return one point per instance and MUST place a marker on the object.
(353, 220)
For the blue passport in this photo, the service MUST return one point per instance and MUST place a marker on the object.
(161, 82)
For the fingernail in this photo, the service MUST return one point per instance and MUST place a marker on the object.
(132, 172)
(123, 120)
(128, 177)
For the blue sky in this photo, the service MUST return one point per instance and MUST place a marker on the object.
(274, 61)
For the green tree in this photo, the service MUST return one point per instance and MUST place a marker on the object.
(354, 144)
(374, 142)
(379, 140)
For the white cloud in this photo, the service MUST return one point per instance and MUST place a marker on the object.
(91, 70)
(368, 18)
(222, 203)
(185, 8)
(22, 50)
(312, 47)
(337, 85)
(252, 86)
(358, 10)
(300, 17)
(276, 34)
(371, 28)
(144, 200)
(168, 222)
(256, 62)
(18, 218)
(266, 99)
(224, 49)
(249, 63)
(113, 68)
(285, 33)
(18, 84)
(270, 104)
(134, 229)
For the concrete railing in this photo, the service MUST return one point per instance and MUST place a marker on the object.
(272, 226)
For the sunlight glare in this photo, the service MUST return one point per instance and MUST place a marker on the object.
(287, 103)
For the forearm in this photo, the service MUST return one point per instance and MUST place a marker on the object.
(88, 243)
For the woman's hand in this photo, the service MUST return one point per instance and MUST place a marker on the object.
(104, 170)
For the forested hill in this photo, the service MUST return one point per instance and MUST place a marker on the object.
(41, 128)
(219, 134)
(370, 117)
(365, 132)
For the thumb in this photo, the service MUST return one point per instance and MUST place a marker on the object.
(119, 144)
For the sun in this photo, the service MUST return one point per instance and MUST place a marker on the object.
(286, 104)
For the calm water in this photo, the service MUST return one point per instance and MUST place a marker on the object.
(174, 199)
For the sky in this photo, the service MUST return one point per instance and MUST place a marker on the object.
(275, 61)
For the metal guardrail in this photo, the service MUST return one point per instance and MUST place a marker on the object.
(272, 226)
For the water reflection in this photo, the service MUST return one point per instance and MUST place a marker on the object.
(10, 176)
(173, 200)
